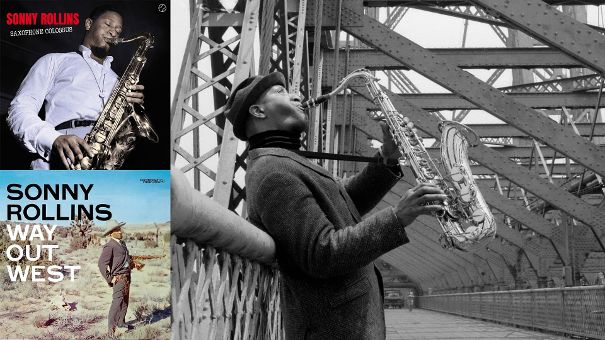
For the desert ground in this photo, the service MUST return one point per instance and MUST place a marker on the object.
(78, 309)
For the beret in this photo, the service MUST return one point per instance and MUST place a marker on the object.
(245, 95)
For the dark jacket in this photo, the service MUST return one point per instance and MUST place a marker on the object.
(329, 288)
(116, 257)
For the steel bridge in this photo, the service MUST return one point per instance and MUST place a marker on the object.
(527, 76)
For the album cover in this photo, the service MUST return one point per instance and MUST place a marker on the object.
(65, 65)
(85, 254)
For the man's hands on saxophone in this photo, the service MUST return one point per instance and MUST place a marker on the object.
(71, 149)
(414, 202)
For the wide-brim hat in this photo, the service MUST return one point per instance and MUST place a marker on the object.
(112, 225)
(244, 95)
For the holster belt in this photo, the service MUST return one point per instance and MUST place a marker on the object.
(122, 277)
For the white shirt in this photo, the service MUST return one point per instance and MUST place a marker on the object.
(69, 85)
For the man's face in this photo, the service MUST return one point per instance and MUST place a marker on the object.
(101, 32)
(117, 234)
(283, 110)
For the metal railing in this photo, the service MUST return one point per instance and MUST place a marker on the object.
(223, 284)
(576, 310)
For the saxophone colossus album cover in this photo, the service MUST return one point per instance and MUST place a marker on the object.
(85, 254)
(62, 64)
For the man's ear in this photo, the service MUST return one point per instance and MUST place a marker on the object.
(88, 24)
(257, 111)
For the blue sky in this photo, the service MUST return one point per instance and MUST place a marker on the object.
(132, 200)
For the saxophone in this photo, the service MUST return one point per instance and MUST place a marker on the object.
(119, 125)
(466, 219)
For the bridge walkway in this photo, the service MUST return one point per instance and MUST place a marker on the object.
(425, 324)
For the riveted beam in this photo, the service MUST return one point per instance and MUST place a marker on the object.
(556, 29)
(467, 58)
(435, 250)
(419, 3)
(438, 263)
(403, 257)
(460, 262)
(434, 269)
(226, 164)
(562, 139)
(515, 210)
(580, 83)
(447, 101)
(404, 260)
(409, 272)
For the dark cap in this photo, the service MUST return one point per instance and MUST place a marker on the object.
(245, 95)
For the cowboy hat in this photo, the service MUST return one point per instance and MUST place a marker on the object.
(112, 225)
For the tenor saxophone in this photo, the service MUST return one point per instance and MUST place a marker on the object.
(466, 219)
(119, 125)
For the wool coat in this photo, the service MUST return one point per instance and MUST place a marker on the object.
(330, 288)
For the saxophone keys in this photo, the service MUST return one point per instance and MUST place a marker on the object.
(465, 194)
(428, 173)
(478, 216)
(99, 138)
(457, 174)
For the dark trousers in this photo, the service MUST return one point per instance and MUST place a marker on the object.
(119, 303)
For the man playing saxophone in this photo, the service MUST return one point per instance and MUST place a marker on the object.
(73, 87)
(330, 288)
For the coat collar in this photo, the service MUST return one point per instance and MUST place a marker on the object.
(279, 152)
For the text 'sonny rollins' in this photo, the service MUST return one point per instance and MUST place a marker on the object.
(32, 211)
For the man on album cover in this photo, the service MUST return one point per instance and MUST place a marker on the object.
(330, 287)
(114, 265)
(73, 87)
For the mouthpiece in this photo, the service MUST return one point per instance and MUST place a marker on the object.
(312, 102)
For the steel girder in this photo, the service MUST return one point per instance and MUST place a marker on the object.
(533, 221)
(452, 262)
(467, 58)
(418, 3)
(227, 160)
(411, 273)
(453, 280)
(370, 126)
(364, 122)
(209, 43)
(484, 96)
(447, 101)
(547, 24)
(580, 83)
(437, 264)
(420, 272)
